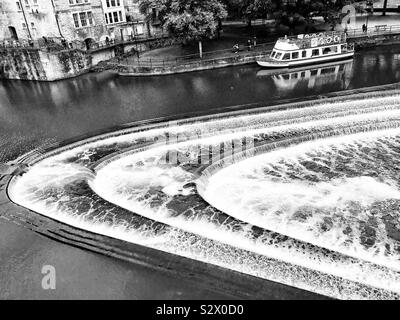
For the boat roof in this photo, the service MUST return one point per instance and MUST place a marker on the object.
(313, 40)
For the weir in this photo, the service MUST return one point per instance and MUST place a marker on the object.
(120, 185)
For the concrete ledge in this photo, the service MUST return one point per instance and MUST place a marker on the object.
(200, 65)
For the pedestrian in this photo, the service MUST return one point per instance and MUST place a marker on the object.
(64, 43)
(236, 48)
(255, 41)
(249, 45)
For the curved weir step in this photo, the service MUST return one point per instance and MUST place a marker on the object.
(138, 187)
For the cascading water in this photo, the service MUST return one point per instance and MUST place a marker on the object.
(305, 196)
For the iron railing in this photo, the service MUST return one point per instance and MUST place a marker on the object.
(57, 43)
(374, 31)
(217, 55)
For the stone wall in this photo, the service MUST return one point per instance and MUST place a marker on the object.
(368, 42)
(34, 64)
(172, 68)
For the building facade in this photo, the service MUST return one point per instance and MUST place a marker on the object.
(27, 19)
(89, 21)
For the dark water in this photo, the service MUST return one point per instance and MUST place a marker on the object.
(32, 114)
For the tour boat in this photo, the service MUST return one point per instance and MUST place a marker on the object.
(308, 49)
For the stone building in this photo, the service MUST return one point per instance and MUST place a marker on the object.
(89, 21)
(27, 19)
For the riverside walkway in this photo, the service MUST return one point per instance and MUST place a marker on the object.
(142, 66)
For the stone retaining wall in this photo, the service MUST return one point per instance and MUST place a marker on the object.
(130, 70)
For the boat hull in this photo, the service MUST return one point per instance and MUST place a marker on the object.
(272, 64)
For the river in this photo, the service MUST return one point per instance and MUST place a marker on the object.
(33, 114)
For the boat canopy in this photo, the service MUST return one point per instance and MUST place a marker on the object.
(305, 41)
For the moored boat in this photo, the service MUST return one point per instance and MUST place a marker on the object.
(308, 49)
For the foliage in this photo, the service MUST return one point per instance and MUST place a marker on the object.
(288, 12)
(186, 20)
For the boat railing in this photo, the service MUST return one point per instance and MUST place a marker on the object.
(304, 41)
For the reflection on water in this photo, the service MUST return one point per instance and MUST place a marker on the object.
(33, 113)
(335, 74)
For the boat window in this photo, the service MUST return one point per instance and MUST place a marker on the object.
(273, 54)
(295, 55)
(286, 77)
(304, 54)
(329, 50)
(314, 72)
(286, 56)
(315, 53)
(294, 76)
(326, 51)
(278, 55)
(303, 74)
(344, 47)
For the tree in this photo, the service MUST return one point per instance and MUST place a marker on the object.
(188, 20)
(286, 12)
(385, 7)
(249, 9)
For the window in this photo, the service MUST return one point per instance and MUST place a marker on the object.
(314, 72)
(76, 21)
(90, 18)
(303, 74)
(304, 54)
(315, 53)
(330, 50)
(286, 56)
(114, 17)
(113, 3)
(295, 55)
(83, 19)
(273, 54)
(74, 2)
(82, 16)
(278, 55)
